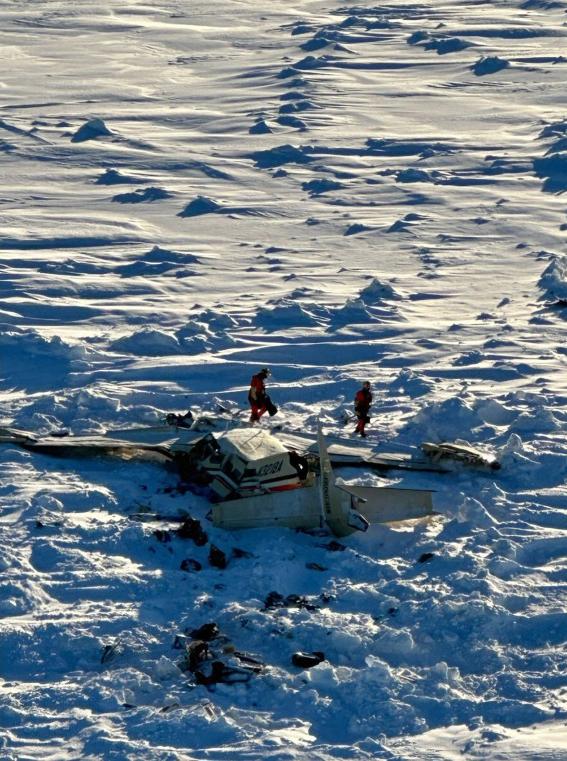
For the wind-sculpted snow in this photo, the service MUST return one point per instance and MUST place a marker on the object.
(141, 196)
(206, 331)
(92, 130)
(115, 177)
(147, 342)
(370, 306)
(554, 279)
(489, 65)
(202, 205)
(288, 313)
(341, 192)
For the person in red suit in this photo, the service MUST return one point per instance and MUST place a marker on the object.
(257, 395)
(362, 402)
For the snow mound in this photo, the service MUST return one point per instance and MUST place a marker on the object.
(473, 357)
(489, 65)
(471, 510)
(207, 330)
(317, 187)
(260, 128)
(285, 314)
(141, 196)
(292, 95)
(280, 155)
(495, 413)
(297, 107)
(316, 43)
(415, 175)
(442, 45)
(287, 120)
(445, 421)
(447, 45)
(555, 129)
(417, 37)
(377, 291)
(33, 343)
(159, 261)
(411, 383)
(216, 322)
(354, 311)
(312, 62)
(157, 254)
(115, 177)
(393, 147)
(85, 411)
(200, 205)
(554, 169)
(356, 228)
(147, 342)
(539, 417)
(91, 130)
(371, 305)
(553, 280)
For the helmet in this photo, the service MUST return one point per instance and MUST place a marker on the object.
(366, 384)
(266, 371)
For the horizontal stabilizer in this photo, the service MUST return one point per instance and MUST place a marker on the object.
(385, 505)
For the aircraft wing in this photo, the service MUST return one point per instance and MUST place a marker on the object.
(162, 439)
(345, 452)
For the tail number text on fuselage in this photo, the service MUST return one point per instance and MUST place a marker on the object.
(270, 468)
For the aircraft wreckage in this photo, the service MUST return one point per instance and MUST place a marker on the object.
(256, 478)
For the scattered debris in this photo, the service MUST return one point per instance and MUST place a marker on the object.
(189, 564)
(307, 660)
(333, 546)
(162, 535)
(149, 517)
(212, 659)
(180, 421)
(424, 557)
(170, 707)
(109, 652)
(461, 453)
(253, 663)
(53, 524)
(206, 632)
(191, 529)
(180, 642)
(196, 652)
(217, 558)
(238, 553)
(215, 672)
(276, 600)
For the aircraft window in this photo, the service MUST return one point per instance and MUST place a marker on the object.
(230, 471)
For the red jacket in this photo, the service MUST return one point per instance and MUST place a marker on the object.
(363, 400)
(257, 391)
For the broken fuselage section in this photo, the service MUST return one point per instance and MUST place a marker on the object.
(242, 462)
(257, 479)
(306, 499)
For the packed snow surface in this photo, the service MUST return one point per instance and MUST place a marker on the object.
(194, 190)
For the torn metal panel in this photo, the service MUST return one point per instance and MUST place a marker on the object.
(297, 508)
(388, 505)
(447, 453)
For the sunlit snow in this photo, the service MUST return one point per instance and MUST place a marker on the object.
(194, 190)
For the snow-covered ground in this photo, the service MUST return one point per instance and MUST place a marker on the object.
(192, 190)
